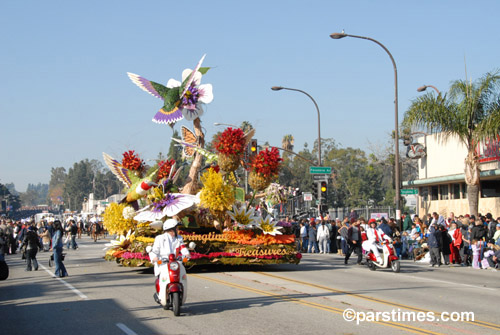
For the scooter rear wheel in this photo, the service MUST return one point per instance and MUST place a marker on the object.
(176, 303)
(396, 267)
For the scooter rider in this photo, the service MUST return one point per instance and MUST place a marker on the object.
(167, 244)
(375, 236)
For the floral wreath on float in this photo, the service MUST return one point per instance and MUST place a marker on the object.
(219, 222)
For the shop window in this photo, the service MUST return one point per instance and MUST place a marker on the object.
(490, 189)
(455, 191)
(424, 193)
(443, 192)
(434, 193)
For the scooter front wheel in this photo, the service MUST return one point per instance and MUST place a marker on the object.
(396, 267)
(176, 303)
(370, 265)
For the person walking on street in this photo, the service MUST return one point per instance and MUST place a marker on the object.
(57, 246)
(73, 230)
(32, 243)
(354, 241)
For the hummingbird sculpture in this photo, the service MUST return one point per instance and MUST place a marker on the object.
(180, 100)
(137, 188)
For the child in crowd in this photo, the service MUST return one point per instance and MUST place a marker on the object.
(476, 253)
(405, 245)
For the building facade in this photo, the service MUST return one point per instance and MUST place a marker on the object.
(441, 177)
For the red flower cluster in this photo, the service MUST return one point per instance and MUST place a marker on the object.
(164, 168)
(132, 161)
(230, 142)
(267, 162)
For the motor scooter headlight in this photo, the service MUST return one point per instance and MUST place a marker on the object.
(174, 266)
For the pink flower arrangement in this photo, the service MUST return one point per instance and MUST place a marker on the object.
(135, 255)
(195, 255)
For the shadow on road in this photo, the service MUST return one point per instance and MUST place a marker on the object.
(29, 308)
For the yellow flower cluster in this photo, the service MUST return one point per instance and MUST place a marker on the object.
(216, 195)
(114, 222)
(145, 239)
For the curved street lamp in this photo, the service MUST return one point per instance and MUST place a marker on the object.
(424, 87)
(337, 36)
(279, 88)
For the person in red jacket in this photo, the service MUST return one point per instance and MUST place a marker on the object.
(456, 242)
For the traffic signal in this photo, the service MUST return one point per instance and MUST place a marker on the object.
(252, 147)
(314, 189)
(324, 189)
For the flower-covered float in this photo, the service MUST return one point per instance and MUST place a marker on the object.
(221, 223)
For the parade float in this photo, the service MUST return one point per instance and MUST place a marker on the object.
(220, 222)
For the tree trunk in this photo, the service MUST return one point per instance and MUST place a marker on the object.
(191, 186)
(472, 179)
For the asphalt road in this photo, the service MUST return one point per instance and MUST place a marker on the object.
(100, 297)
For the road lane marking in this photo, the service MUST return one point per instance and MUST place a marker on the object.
(386, 302)
(126, 329)
(314, 305)
(68, 285)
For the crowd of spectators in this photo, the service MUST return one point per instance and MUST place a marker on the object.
(464, 240)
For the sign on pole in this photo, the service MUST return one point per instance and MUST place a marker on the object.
(409, 191)
(320, 177)
(308, 196)
(320, 170)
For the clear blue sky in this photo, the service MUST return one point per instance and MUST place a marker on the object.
(65, 95)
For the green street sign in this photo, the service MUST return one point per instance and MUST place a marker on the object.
(320, 170)
(409, 191)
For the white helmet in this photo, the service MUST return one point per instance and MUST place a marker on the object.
(169, 224)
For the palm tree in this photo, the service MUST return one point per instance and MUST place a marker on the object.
(287, 142)
(471, 112)
(246, 126)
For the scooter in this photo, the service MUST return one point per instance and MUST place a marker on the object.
(171, 284)
(390, 260)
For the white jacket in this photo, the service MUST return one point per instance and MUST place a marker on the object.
(165, 245)
(323, 232)
(372, 233)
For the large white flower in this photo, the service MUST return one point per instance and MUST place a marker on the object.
(171, 205)
(269, 227)
(194, 94)
(242, 216)
(119, 241)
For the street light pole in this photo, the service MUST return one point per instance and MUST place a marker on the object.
(279, 88)
(337, 36)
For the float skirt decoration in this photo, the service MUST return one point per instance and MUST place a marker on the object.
(212, 247)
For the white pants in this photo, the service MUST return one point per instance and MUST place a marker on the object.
(323, 244)
(373, 247)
